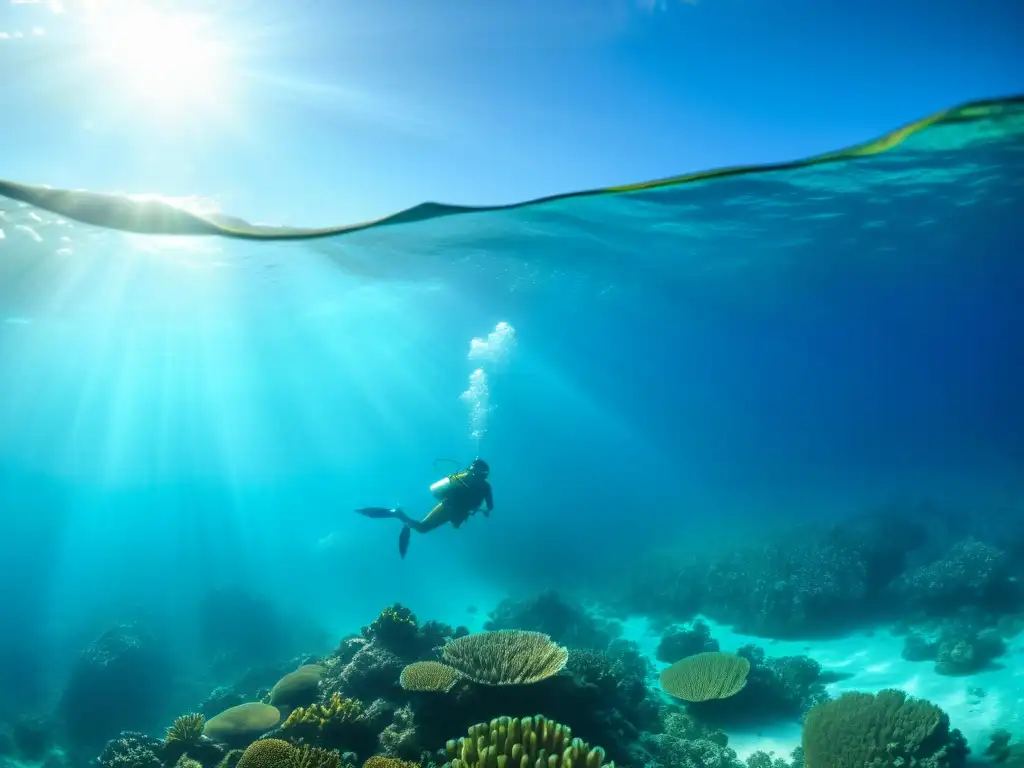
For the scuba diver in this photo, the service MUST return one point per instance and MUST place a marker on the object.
(459, 496)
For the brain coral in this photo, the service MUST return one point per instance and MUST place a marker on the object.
(505, 657)
(242, 721)
(267, 753)
(706, 676)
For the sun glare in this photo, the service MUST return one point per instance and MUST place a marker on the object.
(170, 62)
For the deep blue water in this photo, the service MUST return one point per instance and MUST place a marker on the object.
(692, 364)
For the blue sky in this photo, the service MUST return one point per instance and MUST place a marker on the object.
(342, 110)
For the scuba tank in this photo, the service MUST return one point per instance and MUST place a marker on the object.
(441, 487)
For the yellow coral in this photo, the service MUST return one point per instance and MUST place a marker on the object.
(381, 761)
(267, 753)
(338, 711)
(230, 760)
(314, 757)
(186, 730)
(706, 676)
(428, 676)
(528, 742)
(187, 762)
(505, 657)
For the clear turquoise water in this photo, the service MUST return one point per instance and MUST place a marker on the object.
(701, 361)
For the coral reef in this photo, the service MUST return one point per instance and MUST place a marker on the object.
(564, 622)
(127, 668)
(393, 694)
(298, 688)
(239, 725)
(706, 676)
(339, 723)
(131, 750)
(678, 642)
(428, 676)
(891, 728)
(505, 657)
(400, 738)
(812, 579)
(956, 647)
(970, 573)
(776, 689)
(528, 741)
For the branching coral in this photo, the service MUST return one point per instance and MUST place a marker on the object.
(186, 731)
(231, 758)
(338, 724)
(314, 757)
(526, 742)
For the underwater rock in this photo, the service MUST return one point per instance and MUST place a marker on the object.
(781, 688)
(961, 652)
(32, 736)
(564, 622)
(7, 745)
(916, 647)
(241, 630)
(127, 670)
(957, 646)
(679, 642)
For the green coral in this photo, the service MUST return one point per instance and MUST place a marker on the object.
(230, 760)
(396, 628)
(186, 730)
(334, 724)
(889, 730)
(314, 757)
(528, 741)
(706, 676)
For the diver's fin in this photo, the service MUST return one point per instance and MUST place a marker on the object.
(403, 540)
(377, 513)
